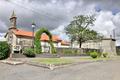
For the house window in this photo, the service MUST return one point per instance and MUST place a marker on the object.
(10, 38)
(17, 41)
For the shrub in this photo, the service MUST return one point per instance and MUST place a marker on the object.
(29, 52)
(105, 55)
(71, 52)
(99, 54)
(65, 51)
(93, 54)
(88, 53)
(53, 50)
(4, 50)
(75, 51)
(38, 49)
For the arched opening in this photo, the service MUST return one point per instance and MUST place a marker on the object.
(38, 47)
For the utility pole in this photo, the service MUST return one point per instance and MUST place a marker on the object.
(114, 34)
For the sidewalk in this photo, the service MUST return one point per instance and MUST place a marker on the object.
(11, 62)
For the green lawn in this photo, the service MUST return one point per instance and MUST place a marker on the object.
(59, 61)
(91, 59)
(55, 61)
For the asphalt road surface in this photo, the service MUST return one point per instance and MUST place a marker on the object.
(90, 71)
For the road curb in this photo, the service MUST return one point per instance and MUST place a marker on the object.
(11, 62)
(53, 67)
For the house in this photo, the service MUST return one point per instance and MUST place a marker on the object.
(106, 45)
(19, 39)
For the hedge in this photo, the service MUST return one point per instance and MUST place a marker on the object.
(4, 50)
(38, 34)
(29, 52)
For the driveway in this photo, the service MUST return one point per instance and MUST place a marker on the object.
(90, 71)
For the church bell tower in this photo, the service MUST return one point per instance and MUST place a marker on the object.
(13, 21)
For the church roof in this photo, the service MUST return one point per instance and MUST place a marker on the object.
(23, 33)
(44, 37)
(65, 43)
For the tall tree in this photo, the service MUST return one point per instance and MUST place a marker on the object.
(78, 29)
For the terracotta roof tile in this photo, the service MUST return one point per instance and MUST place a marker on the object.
(19, 32)
(65, 43)
(44, 37)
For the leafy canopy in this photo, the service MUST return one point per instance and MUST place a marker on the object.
(38, 34)
(78, 29)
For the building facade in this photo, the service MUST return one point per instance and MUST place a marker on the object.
(106, 45)
(19, 39)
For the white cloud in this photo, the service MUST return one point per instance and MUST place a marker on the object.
(61, 32)
(104, 23)
(3, 26)
(56, 14)
(70, 6)
(2, 37)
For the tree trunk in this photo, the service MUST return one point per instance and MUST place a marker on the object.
(81, 50)
(80, 43)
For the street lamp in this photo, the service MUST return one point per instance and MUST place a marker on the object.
(33, 27)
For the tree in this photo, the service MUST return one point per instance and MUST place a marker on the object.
(4, 50)
(38, 34)
(78, 29)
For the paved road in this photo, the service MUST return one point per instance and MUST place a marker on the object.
(92, 71)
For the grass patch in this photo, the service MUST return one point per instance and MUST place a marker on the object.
(63, 61)
(95, 59)
(55, 61)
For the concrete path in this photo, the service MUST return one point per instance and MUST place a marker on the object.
(91, 71)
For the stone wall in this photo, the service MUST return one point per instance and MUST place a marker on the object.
(74, 51)
(109, 46)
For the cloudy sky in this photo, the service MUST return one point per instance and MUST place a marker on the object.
(57, 14)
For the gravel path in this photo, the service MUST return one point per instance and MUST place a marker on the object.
(91, 71)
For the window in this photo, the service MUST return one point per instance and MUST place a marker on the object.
(17, 41)
(10, 38)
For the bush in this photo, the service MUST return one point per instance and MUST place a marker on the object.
(38, 49)
(71, 52)
(99, 54)
(75, 51)
(88, 53)
(105, 55)
(4, 50)
(65, 51)
(93, 54)
(53, 50)
(29, 52)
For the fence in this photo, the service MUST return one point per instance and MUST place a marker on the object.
(118, 50)
(74, 51)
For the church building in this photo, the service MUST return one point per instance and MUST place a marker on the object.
(20, 39)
